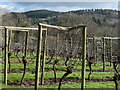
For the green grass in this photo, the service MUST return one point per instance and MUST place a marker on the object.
(16, 77)
(97, 85)
(17, 67)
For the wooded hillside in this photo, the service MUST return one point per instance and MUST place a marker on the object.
(99, 22)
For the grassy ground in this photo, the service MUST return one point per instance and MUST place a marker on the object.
(16, 77)
(75, 85)
(99, 79)
(17, 67)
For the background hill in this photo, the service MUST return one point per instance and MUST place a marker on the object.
(99, 22)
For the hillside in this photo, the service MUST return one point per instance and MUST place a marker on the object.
(99, 22)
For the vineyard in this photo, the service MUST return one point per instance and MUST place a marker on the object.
(68, 58)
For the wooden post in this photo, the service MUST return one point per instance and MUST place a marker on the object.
(83, 59)
(6, 56)
(94, 49)
(9, 40)
(26, 41)
(66, 45)
(38, 57)
(110, 51)
(71, 46)
(44, 55)
(103, 54)
(57, 41)
(96, 53)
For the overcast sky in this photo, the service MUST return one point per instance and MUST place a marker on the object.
(57, 6)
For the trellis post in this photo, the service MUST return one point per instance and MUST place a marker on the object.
(6, 56)
(9, 40)
(26, 42)
(94, 49)
(66, 45)
(44, 56)
(57, 41)
(83, 59)
(103, 54)
(38, 56)
(110, 51)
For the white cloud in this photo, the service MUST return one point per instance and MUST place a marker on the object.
(11, 7)
(4, 9)
(60, 8)
(7, 7)
(71, 6)
(63, 6)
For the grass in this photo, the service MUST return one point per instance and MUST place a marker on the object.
(98, 85)
(17, 67)
(15, 78)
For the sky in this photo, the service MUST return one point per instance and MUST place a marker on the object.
(56, 6)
